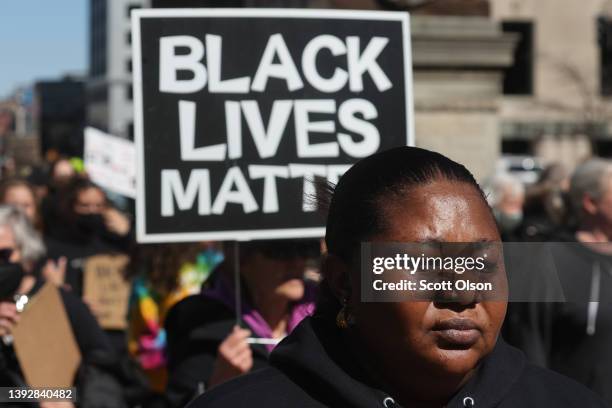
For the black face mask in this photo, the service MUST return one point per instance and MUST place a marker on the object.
(11, 275)
(90, 224)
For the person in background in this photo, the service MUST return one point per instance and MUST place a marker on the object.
(574, 337)
(88, 225)
(61, 175)
(546, 206)
(20, 194)
(39, 180)
(506, 196)
(207, 347)
(21, 245)
(591, 196)
(162, 275)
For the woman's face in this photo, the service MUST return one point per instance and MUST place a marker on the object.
(21, 197)
(419, 334)
(90, 201)
(280, 278)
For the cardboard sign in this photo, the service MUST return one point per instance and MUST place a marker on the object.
(238, 111)
(44, 343)
(110, 162)
(105, 287)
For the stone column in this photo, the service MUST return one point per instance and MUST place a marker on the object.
(458, 66)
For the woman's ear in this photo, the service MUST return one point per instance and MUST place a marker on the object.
(336, 272)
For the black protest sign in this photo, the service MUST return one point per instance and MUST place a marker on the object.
(238, 111)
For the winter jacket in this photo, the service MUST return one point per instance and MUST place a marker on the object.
(195, 327)
(312, 368)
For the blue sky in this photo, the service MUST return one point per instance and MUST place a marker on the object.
(41, 39)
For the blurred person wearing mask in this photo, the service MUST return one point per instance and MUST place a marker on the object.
(506, 196)
(22, 247)
(88, 225)
(206, 347)
(161, 276)
(574, 337)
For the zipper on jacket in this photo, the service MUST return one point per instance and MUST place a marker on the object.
(468, 402)
(389, 402)
(593, 306)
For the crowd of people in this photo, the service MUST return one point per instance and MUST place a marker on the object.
(201, 314)
(174, 345)
(573, 212)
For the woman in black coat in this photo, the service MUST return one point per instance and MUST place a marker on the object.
(437, 352)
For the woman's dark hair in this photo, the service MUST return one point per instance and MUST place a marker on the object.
(354, 205)
(354, 208)
(69, 195)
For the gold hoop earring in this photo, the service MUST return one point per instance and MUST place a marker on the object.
(343, 319)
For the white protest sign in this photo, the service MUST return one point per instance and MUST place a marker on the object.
(110, 162)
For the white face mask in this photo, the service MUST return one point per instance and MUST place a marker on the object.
(508, 222)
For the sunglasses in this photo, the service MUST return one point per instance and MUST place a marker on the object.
(287, 250)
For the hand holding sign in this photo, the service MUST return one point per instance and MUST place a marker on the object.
(45, 321)
(116, 221)
(8, 317)
(234, 357)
